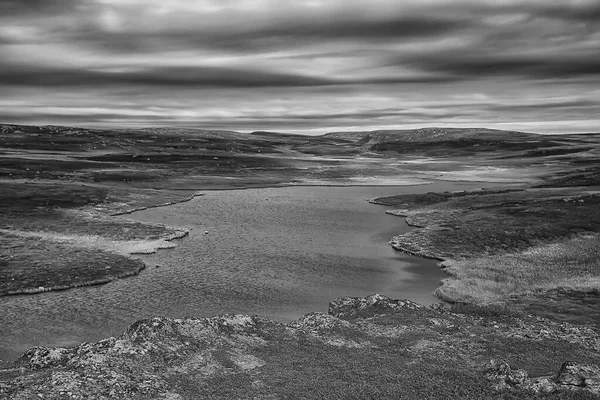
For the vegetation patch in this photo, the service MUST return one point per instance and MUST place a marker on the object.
(33, 265)
(235, 356)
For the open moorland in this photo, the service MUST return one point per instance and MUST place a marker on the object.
(522, 259)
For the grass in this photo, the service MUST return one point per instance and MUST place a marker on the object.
(573, 263)
(32, 265)
(482, 223)
(446, 366)
(515, 246)
(57, 235)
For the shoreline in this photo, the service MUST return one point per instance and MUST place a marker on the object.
(287, 185)
(154, 245)
(183, 232)
(493, 245)
(150, 263)
(95, 282)
(170, 203)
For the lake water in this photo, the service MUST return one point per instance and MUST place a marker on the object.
(275, 252)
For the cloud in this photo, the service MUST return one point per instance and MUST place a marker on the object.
(585, 11)
(279, 34)
(301, 63)
(175, 77)
(581, 105)
(12, 74)
(18, 7)
(536, 67)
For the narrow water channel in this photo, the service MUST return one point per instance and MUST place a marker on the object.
(275, 252)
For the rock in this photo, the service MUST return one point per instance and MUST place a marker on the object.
(516, 377)
(439, 306)
(570, 376)
(319, 321)
(579, 376)
(43, 357)
(502, 373)
(347, 307)
(541, 385)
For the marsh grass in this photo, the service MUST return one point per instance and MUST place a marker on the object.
(573, 263)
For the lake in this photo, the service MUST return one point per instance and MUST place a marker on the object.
(275, 252)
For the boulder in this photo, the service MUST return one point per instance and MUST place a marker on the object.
(579, 376)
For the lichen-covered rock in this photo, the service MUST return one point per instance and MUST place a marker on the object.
(571, 376)
(579, 376)
(42, 357)
(347, 307)
(502, 373)
(540, 385)
(317, 321)
(371, 347)
(330, 330)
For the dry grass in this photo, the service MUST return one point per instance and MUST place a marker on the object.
(97, 242)
(572, 263)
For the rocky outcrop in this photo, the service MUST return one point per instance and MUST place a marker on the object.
(371, 347)
(579, 376)
(348, 307)
(571, 376)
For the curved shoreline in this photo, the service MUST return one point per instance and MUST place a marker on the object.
(95, 282)
(153, 248)
(170, 203)
(183, 232)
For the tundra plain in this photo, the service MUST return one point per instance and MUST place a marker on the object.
(521, 257)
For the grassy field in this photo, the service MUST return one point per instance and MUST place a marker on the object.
(57, 235)
(512, 246)
(572, 263)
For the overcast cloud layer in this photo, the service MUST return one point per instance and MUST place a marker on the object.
(307, 66)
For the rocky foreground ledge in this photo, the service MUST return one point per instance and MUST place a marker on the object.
(372, 347)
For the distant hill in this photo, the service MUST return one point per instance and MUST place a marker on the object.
(195, 133)
(458, 141)
(432, 135)
(348, 135)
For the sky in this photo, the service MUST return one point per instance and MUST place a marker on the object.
(302, 66)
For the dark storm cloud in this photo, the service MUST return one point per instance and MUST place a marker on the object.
(183, 77)
(273, 36)
(176, 76)
(536, 67)
(587, 12)
(35, 7)
(391, 27)
(582, 105)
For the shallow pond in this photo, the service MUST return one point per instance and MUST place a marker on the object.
(275, 252)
